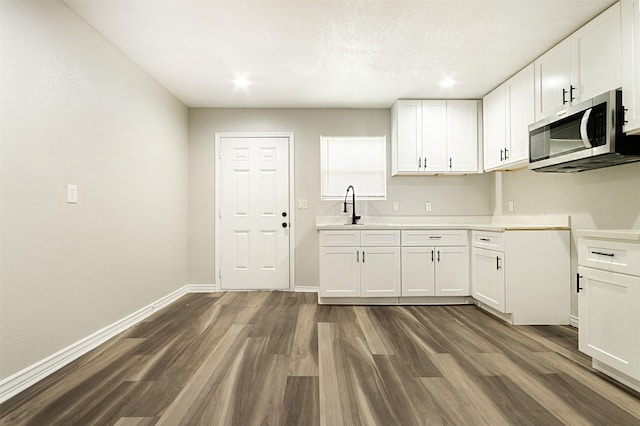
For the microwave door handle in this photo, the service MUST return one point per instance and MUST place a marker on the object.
(583, 128)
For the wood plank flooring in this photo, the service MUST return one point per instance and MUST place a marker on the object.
(277, 358)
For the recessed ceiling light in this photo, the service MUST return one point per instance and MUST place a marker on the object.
(241, 82)
(447, 82)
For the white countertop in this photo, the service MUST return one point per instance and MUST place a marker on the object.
(610, 234)
(480, 223)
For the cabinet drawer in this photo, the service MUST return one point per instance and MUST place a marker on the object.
(339, 238)
(379, 238)
(434, 238)
(487, 239)
(614, 256)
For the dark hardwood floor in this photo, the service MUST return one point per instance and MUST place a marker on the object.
(271, 358)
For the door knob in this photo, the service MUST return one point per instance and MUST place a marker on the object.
(284, 224)
(284, 214)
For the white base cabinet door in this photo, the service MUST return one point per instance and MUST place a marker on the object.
(609, 309)
(452, 271)
(418, 271)
(339, 272)
(380, 272)
(488, 278)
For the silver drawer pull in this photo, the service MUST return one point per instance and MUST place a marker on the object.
(485, 239)
(435, 237)
(602, 253)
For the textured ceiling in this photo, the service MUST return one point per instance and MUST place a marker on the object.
(321, 53)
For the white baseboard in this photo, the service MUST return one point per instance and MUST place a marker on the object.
(21, 380)
(573, 321)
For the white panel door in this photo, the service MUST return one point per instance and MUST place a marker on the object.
(417, 271)
(494, 115)
(434, 136)
(452, 271)
(609, 312)
(487, 278)
(340, 271)
(254, 195)
(521, 110)
(596, 56)
(462, 136)
(553, 73)
(380, 275)
(409, 142)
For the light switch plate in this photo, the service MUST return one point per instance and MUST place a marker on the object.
(511, 206)
(427, 206)
(396, 206)
(72, 194)
(302, 204)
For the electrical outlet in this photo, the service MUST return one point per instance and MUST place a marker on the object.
(427, 206)
(511, 206)
(72, 194)
(396, 206)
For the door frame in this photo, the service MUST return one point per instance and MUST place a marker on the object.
(216, 185)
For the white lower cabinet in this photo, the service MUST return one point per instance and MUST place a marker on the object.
(608, 285)
(488, 278)
(522, 275)
(430, 267)
(359, 263)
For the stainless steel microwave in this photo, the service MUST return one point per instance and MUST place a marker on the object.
(584, 137)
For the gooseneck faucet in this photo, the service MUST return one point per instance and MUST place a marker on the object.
(354, 218)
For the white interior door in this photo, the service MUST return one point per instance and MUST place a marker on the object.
(254, 199)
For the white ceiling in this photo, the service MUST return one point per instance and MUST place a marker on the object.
(323, 53)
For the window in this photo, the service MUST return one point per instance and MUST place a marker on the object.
(357, 161)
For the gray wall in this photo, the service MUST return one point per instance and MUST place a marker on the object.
(450, 195)
(76, 110)
(607, 198)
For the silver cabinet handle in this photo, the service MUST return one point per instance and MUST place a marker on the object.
(425, 162)
(438, 255)
(358, 256)
(363, 256)
(435, 237)
(431, 256)
(419, 162)
(485, 239)
(498, 263)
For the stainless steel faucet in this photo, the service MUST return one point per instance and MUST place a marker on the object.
(354, 218)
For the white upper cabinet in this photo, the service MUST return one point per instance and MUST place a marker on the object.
(434, 136)
(631, 64)
(584, 65)
(462, 136)
(507, 112)
(407, 127)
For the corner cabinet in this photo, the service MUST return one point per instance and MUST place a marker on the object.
(359, 263)
(631, 64)
(434, 137)
(507, 112)
(582, 66)
(522, 276)
(608, 286)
